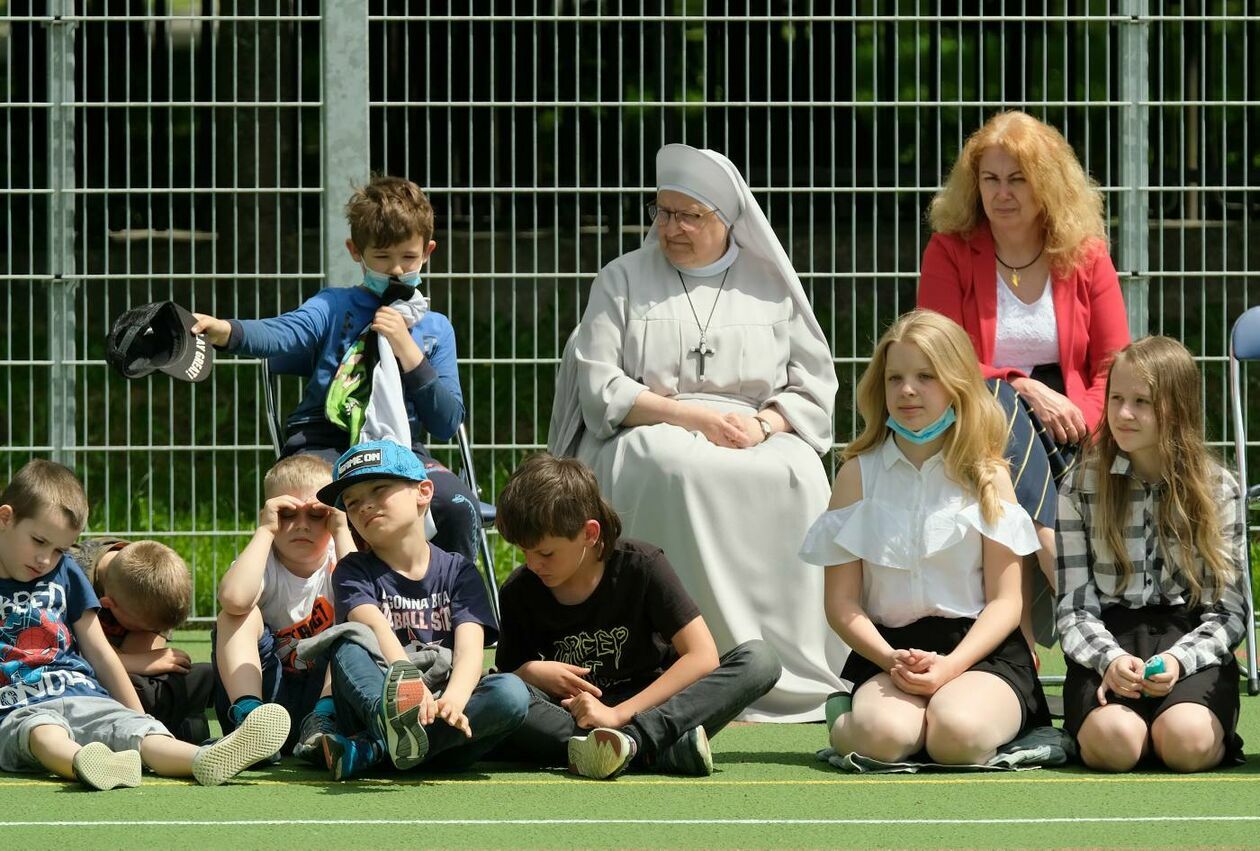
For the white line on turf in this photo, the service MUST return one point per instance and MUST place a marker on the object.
(716, 822)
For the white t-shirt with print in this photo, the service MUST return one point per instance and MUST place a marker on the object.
(296, 608)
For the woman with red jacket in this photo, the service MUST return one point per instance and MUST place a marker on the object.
(1019, 258)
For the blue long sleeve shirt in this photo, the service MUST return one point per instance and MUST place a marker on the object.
(313, 339)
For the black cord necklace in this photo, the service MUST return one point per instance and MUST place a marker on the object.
(703, 348)
(1015, 270)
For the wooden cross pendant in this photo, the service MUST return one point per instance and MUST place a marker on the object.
(703, 349)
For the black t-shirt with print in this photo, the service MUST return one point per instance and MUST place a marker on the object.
(622, 632)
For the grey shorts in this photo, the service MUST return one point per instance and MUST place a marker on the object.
(86, 719)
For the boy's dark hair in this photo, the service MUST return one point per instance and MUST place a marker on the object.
(42, 485)
(387, 211)
(550, 496)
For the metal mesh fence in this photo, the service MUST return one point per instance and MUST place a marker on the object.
(200, 150)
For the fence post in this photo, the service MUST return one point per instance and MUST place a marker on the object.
(59, 67)
(343, 127)
(1132, 252)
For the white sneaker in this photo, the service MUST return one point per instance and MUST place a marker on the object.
(261, 734)
(601, 754)
(100, 768)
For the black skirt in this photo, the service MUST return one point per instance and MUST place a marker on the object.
(1144, 633)
(1011, 660)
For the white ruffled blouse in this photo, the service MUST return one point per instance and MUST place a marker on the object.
(918, 534)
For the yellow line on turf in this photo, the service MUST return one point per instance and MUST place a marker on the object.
(693, 782)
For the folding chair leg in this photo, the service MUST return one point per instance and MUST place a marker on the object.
(487, 571)
(1240, 459)
(1253, 679)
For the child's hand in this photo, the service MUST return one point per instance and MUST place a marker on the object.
(269, 514)
(389, 323)
(937, 671)
(1124, 677)
(918, 661)
(428, 708)
(217, 331)
(558, 679)
(589, 713)
(1158, 685)
(337, 522)
(167, 660)
(453, 715)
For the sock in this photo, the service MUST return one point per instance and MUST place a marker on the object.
(633, 735)
(242, 706)
(325, 706)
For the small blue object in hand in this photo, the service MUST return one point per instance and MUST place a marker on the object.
(1155, 665)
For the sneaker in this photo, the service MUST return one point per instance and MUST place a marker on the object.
(315, 726)
(238, 712)
(601, 754)
(406, 741)
(262, 734)
(347, 756)
(690, 755)
(100, 768)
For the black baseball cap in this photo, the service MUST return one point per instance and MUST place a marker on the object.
(158, 337)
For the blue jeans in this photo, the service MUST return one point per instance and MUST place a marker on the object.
(498, 706)
(743, 674)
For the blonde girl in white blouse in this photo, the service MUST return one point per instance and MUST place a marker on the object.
(923, 542)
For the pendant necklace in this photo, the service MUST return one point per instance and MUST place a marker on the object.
(702, 347)
(1015, 270)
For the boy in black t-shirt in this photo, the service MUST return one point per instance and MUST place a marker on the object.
(620, 666)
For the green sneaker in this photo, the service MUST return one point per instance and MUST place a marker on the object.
(100, 768)
(262, 734)
(601, 754)
(406, 741)
(690, 755)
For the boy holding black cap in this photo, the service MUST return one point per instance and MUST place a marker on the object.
(416, 600)
(333, 337)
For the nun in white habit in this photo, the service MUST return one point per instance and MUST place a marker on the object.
(705, 390)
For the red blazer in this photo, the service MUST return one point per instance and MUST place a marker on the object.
(959, 279)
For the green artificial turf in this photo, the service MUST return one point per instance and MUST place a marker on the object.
(768, 790)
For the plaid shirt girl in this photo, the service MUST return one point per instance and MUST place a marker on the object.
(1088, 577)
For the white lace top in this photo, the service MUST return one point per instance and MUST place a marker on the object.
(918, 535)
(1026, 334)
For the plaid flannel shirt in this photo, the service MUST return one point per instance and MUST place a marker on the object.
(1088, 577)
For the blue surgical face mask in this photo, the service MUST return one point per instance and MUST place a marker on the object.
(378, 282)
(928, 433)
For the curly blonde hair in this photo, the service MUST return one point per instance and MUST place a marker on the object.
(1071, 202)
(974, 446)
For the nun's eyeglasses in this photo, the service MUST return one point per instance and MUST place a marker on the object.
(688, 221)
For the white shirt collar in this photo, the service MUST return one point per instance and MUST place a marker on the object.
(891, 453)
